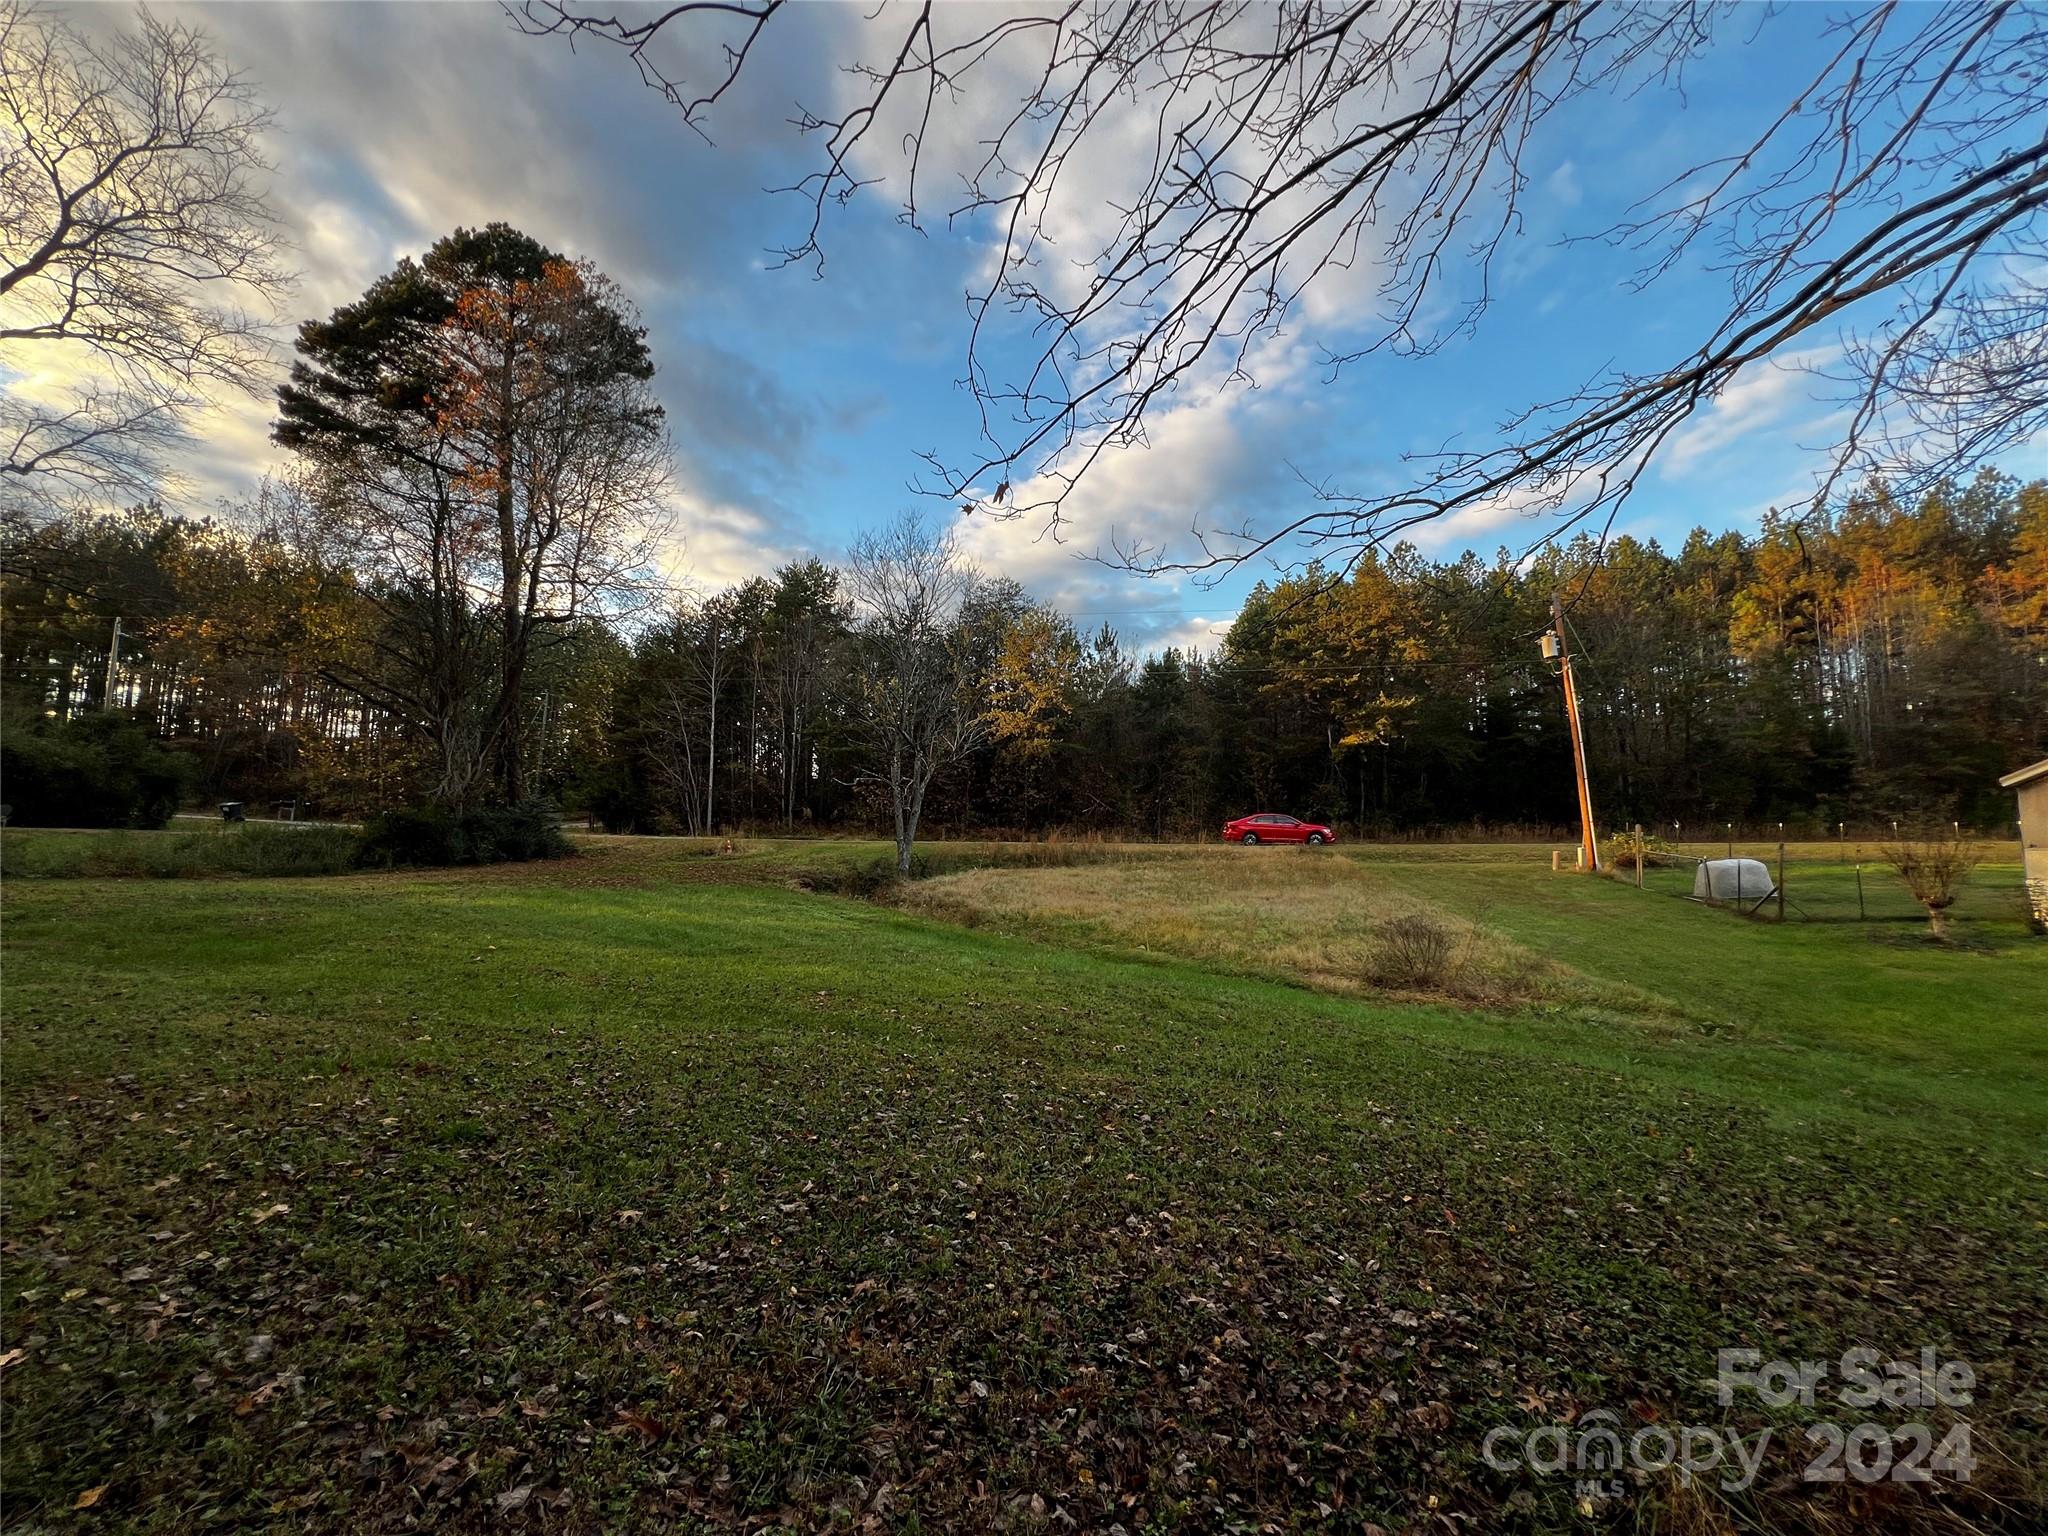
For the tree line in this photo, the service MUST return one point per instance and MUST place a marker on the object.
(1885, 661)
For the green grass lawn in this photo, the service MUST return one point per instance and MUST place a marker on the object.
(652, 1191)
(1828, 1008)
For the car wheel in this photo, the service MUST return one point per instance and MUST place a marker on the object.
(1315, 839)
(1250, 839)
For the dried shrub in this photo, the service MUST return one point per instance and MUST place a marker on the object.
(1412, 951)
(1934, 869)
(1620, 853)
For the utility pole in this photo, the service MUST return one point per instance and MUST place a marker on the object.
(1555, 650)
(113, 661)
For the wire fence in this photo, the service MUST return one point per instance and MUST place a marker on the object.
(1847, 884)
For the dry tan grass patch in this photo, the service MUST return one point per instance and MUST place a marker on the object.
(1298, 915)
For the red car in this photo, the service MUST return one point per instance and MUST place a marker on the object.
(1268, 828)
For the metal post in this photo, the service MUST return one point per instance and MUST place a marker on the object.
(1639, 855)
(1781, 880)
(1861, 915)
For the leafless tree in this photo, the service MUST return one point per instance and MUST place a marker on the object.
(910, 697)
(681, 744)
(806, 621)
(1167, 185)
(134, 236)
(1934, 868)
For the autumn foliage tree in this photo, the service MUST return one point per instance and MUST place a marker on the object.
(485, 454)
(1886, 661)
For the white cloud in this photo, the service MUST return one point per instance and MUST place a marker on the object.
(1464, 528)
(1196, 634)
(1759, 402)
(717, 544)
(1562, 185)
(1205, 467)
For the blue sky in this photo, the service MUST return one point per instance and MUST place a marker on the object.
(799, 404)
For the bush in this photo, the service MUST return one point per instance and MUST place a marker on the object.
(252, 850)
(96, 770)
(486, 835)
(1412, 951)
(421, 835)
(286, 850)
(1934, 868)
(863, 882)
(618, 800)
(1620, 853)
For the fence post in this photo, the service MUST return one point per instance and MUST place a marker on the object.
(1639, 855)
(1781, 882)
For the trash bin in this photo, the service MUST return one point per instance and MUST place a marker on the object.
(231, 810)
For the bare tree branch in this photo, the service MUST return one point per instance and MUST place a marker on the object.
(133, 234)
(1163, 185)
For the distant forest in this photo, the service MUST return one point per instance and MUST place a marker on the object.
(1887, 662)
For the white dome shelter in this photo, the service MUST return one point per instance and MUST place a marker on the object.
(1738, 880)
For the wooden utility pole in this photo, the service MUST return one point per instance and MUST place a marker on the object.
(113, 663)
(1555, 649)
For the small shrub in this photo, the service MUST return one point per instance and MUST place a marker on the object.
(862, 882)
(1657, 853)
(434, 835)
(1412, 951)
(414, 834)
(288, 850)
(1934, 869)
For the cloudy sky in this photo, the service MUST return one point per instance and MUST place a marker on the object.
(800, 401)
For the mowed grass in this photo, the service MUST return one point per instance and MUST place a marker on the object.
(652, 1192)
(1814, 1018)
(1872, 1015)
